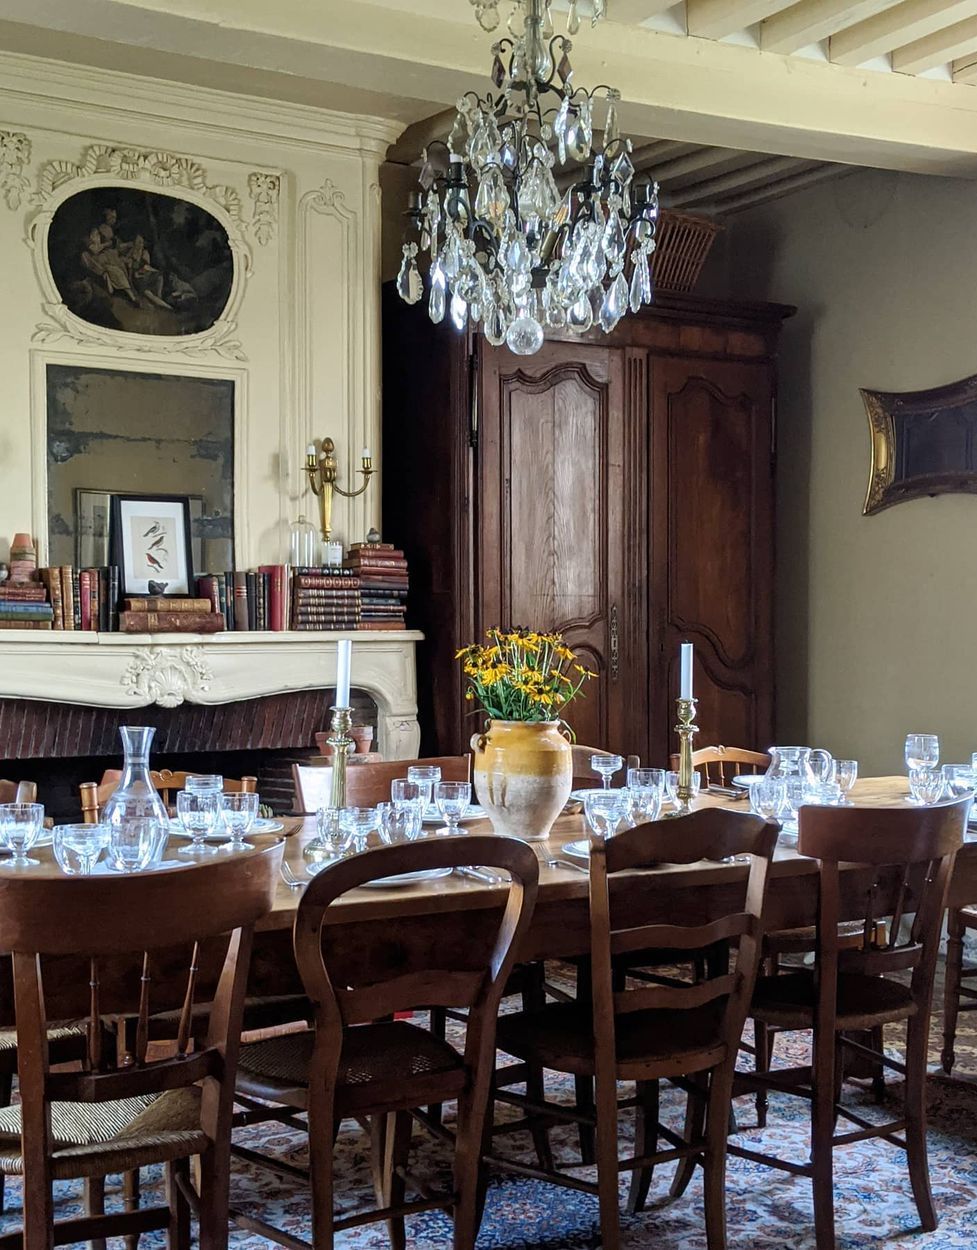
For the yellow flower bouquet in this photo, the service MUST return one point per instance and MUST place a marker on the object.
(522, 675)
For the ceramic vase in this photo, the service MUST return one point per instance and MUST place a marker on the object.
(523, 775)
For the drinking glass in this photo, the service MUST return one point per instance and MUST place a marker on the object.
(767, 797)
(640, 778)
(606, 766)
(332, 838)
(199, 812)
(671, 785)
(136, 844)
(240, 811)
(922, 751)
(959, 779)
(77, 847)
(926, 786)
(846, 774)
(644, 801)
(359, 823)
(452, 798)
(20, 827)
(605, 810)
(426, 777)
(404, 791)
(399, 822)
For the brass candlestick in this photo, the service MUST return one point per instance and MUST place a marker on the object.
(685, 729)
(340, 741)
(323, 474)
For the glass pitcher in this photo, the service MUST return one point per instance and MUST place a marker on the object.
(812, 765)
(135, 797)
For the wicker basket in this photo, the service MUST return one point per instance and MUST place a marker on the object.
(684, 242)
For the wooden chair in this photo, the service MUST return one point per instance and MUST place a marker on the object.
(688, 1033)
(102, 1119)
(18, 791)
(365, 787)
(910, 854)
(584, 775)
(957, 997)
(719, 765)
(356, 1064)
(312, 781)
(95, 794)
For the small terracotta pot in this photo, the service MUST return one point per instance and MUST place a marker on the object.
(362, 736)
(523, 775)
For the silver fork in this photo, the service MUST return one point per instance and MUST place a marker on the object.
(290, 879)
(565, 863)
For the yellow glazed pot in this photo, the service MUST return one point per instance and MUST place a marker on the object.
(523, 775)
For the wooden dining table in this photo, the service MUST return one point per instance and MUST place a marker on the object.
(374, 926)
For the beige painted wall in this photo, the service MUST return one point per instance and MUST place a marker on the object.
(875, 614)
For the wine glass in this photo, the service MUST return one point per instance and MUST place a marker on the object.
(640, 778)
(77, 847)
(359, 823)
(846, 774)
(399, 822)
(671, 785)
(605, 810)
(404, 791)
(767, 797)
(452, 798)
(20, 827)
(199, 812)
(240, 811)
(926, 786)
(645, 801)
(136, 843)
(606, 766)
(922, 751)
(426, 777)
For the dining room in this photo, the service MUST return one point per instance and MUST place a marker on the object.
(450, 447)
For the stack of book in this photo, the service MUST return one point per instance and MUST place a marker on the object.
(325, 598)
(82, 598)
(24, 605)
(169, 615)
(250, 600)
(382, 572)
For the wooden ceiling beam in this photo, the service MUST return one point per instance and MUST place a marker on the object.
(759, 172)
(777, 190)
(905, 23)
(813, 20)
(691, 163)
(713, 19)
(965, 71)
(951, 44)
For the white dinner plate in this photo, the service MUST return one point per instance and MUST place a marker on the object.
(433, 817)
(580, 796)
(261, 825)
(745, 780)
(406, 878)
(578, 850)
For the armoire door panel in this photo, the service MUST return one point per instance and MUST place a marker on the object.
(551, 526)
(711, 471)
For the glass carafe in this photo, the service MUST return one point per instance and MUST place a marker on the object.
(135, 797)
(812, 765)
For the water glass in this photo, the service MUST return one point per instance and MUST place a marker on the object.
(426, 777)
(645, 801)
(136, 844)
(606, 766)
(240, 811)
(359, 823)
(640, 778)
(671, 785)
(959, 779)
(605, 810)
(768, 797)
(20, 827)
(846, 774)
(332, 837)
(201, 783)
(404, 791)
(199, 812)
(77, 847)
(922, 751)
(399, 822)
(925, 786)
(453, 799)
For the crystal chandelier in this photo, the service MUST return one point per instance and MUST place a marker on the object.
(508, 247)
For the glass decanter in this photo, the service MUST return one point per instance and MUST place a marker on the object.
(135, 797)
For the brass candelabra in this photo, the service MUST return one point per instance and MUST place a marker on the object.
(340, 741)
(685, 729)
(323, 473)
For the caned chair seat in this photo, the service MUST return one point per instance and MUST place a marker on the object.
(92, 1139)
(801, 941)
(788, 1001)
(654, 1043)
(61, 1033)
(372, 1055)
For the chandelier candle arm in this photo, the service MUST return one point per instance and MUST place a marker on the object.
(507, 248)
(323, 472)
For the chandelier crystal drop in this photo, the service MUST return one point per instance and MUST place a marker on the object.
(531, 212)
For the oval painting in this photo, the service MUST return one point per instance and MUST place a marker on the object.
(134, 260)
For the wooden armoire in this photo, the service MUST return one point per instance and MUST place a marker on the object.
(616, 488)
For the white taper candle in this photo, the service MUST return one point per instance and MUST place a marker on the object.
(344, 657)
(685, 671)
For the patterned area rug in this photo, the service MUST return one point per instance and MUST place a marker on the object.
(767, 1210)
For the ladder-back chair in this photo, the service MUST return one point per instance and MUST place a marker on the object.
(95, 794)
(719, 765)
(18, 791)
(176, 936)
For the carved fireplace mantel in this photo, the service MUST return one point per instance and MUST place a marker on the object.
(132, 671)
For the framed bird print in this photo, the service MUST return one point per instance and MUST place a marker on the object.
(150, 542)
